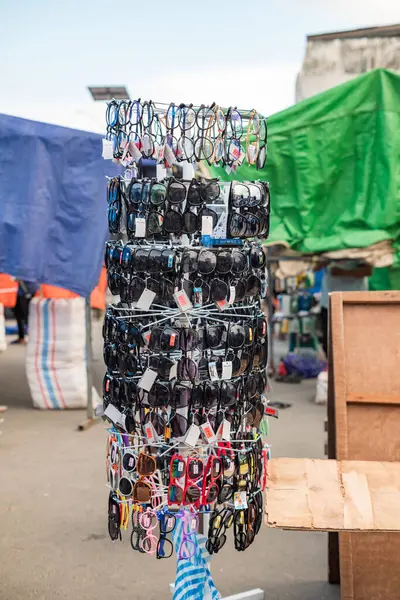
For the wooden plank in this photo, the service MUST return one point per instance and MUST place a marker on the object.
(328, 495)
(357, 397)
(340, 384)
(387, 297)
(333, 537)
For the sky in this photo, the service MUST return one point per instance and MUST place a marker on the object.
(232, 52)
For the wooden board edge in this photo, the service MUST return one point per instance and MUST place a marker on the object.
(387, 297)
(339, 374)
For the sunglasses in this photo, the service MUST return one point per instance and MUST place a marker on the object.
(220, 522)
(176, 474)
(146, 466)
(194, 475)
(212, 475)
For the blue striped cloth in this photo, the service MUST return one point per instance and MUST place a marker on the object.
(193, 578)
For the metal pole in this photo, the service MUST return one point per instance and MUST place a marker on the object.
(270, 323)
(89, 361)
(89, 366)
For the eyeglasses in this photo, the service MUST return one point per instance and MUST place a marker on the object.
(148, 521)
(114, 205)
(142, 128)
(188, 546)
(165, 547)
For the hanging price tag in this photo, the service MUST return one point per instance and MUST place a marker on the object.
(226, 430)
(206, 225)
(270, 411)
(169, 155)
(99, 411)
(197, 297)
(174, 371)
(208, 433)
(192, 435)
(113, 414)
(240, 500)
(232, 294)
(140, 227)
(146, 337)
(226, 369)
(145, 300)
(150, 433)
(108, 150)
(212, 369)
(182, 300)
(134, 151)
(147, 380)
(222, 305)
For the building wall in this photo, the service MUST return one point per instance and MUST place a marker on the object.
(329, 63)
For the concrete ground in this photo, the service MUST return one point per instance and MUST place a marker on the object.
(54, 542)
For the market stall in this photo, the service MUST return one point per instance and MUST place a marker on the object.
(332, 165)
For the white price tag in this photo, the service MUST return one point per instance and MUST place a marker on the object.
(232, 294)
(182, 300)
(140, 227)
(99, 411)
(222, 305)
(113, 414)
(226, 430)
(226, 369)
(134, 151)
(251, 154)
(108, 150)
(212, 369)
(208, 433)
(240, 500)
(145, 300)
(146, 337)
(122, 422)
(169, 155)
(192, 435)
(174, 371)
(147, 380)
(206, 225)
(150, 433)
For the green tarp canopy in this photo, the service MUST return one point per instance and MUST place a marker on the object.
(334, 167)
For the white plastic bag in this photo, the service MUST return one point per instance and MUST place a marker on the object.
(321, 394)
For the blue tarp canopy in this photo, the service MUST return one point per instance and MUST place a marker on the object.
(53, 211)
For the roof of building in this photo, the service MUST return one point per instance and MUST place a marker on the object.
(383, 31)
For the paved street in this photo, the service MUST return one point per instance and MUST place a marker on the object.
(54, 542)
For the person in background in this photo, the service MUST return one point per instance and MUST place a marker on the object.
(344, 276)
(26, 291)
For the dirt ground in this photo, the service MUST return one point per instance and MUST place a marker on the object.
(54, 542)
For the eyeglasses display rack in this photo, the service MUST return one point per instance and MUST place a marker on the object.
(186, 341)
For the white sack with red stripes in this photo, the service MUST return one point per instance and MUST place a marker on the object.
(3, 342)
(56, 354)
